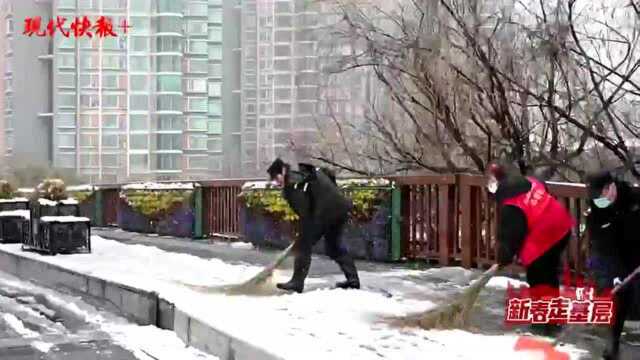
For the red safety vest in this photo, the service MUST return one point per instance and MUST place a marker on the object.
(548, 221)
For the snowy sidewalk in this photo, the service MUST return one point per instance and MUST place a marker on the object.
(319, 324)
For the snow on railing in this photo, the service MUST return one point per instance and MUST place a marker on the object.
(18, 213)
(160, 186)
(14, 200)
(78, 188)
(263, 185)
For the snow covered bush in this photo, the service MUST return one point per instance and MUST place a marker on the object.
(154, 204)
(81, 193)
(52, 189)
(7, 191)
(366, 195)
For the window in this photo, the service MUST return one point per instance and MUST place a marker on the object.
(110, 121)
(169, 123)
(169, 6)
(66, 80)
(215, 89)
(109, 81)
(139, 102)
(197, 9)
(282, 50)
(169, 44)
(168, 63)
(112, 101)
(66, 140)
(66, 120)
(139, 141)
(139, 25)
(110, 140)
(110, 160)
(215, 52)
(215, 163)
(89, 120)
(138, 122)
(140, 6)
(88, 160)
(139, 63)
(215, 127)
(67, 100)
(63, 43)
(197, 66)
(169, 141)
(89, 81)
(169, 83)
(168, 161)
(215, 70)
(139, 83)
(214, 144)
(215, 108)
(197, 46)
(66, 161)
(67, 4)
(197, 123)
(139, 44)
(169, 24)
(196, 27)
(198, 162)
(64, 61)
(198, 142)
(284, 36)
(197, 104)
(139, 162)
(196, 85)
(215, 34)
(283, 21)
(215, 15)
(166, 102)
(89, 140)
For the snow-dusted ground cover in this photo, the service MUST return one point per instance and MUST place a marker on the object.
(142, 341)
(318, 324)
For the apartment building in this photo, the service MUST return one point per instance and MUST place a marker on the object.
(145, 105)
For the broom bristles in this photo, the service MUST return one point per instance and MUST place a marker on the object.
(258, 281)
(455, 314)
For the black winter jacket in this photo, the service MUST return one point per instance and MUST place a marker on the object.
(512, 226)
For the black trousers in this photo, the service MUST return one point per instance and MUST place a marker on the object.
(332, 232)
(545, 269)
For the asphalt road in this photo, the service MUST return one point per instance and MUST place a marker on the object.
(31, 327)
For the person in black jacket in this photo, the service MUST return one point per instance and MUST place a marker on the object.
(612, 224)
(323, 211)
(533, 229)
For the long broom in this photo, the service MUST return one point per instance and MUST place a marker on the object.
(452, 315)
(257, 281)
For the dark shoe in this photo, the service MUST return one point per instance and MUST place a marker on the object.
(291, 286)
(609, 354)
(546, 330)
(300, 271)
(349, 284)
(348, 267)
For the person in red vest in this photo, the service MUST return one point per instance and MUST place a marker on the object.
(533, 230)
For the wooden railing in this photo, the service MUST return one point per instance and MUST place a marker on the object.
(444, 219)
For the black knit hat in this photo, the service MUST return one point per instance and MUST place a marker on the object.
(597, 181)
(276, 168)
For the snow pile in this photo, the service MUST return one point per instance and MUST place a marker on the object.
(64, 219)
(17, 213)
(47, 202)
(321, 323)
(14, 200)
(241, 245)
(26, 190)
(160, 186)
(142, 341)
(502, 282)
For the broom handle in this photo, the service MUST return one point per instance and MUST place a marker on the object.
(626, 281)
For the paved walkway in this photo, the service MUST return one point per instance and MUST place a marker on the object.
(488, 319)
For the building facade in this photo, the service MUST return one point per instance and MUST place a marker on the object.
(142, 105)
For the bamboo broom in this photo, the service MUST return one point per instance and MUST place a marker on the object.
(257, 281)
(452, 315)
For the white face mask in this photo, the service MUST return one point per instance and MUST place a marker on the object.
(492, 186)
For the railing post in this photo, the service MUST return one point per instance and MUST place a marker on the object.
(99, 208)
(466, 243)
(198, 213)
(396, 218)
(444, 223)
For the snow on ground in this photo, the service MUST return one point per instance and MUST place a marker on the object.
(142, 341)
(318, 324)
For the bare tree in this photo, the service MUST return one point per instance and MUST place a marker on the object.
(455, 84)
